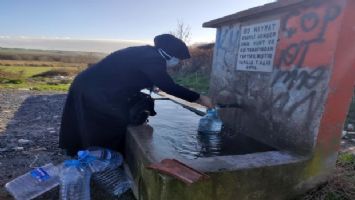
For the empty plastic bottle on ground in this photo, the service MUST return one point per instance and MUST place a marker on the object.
(35, 182)
(210, 123)
(75, 181)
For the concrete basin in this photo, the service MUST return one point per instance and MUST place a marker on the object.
(239, 167)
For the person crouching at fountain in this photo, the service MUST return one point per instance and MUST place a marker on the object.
(98, 108)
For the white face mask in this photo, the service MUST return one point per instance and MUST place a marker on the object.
(170, 60)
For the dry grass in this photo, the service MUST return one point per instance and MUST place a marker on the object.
(5, 74)
(10, 77)
(341, 186)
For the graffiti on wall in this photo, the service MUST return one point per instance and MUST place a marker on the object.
(286, 103)
(296, 71)
(224, 57)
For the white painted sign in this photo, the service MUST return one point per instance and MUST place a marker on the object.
(257, 46)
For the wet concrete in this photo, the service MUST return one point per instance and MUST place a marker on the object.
(175, 130)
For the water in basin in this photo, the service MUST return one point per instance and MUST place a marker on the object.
(175, 129)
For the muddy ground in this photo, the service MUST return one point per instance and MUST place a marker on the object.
(29, 126)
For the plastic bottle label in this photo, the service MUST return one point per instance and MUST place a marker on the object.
(40, 174)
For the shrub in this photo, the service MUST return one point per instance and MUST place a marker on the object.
(346, 159)
(13, 81)
(200, 61)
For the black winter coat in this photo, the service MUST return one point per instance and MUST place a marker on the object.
(95, 112)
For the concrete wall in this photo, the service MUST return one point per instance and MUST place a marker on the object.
(284, 107)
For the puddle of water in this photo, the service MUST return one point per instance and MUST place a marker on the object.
(175, 130)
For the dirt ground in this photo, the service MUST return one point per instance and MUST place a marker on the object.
(29, 126)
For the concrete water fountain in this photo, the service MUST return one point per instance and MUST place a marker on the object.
(224, 157)
(291, 65)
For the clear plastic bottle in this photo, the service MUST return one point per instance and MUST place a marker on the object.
(34, 183)
(113, 180)
(75, 181)
(99, 159)
(210, 123)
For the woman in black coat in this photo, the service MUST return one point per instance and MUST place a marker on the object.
(96, 109)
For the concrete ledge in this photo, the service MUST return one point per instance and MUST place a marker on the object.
(141, 138)
(249, 176)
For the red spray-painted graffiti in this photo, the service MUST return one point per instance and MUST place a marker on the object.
(302, 60)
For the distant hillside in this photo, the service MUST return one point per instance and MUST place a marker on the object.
(50, 55)
(67, 44)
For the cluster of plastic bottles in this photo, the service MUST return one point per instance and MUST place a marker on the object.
(210, 123)
(73, 176)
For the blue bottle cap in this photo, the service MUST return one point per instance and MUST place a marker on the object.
(83, 154)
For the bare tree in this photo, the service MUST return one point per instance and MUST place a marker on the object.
(182, 31)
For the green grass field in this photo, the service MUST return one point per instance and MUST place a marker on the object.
(24, 72)
(21, 77)
(195, 81)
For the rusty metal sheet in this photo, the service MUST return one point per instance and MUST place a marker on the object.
(178, 170)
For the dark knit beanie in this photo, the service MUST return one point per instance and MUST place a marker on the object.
(172, 45)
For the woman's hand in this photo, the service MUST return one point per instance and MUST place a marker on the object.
(205, 101)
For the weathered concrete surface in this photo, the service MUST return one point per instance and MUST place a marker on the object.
(249, 176)
(301, 104)
(282, 108)
(252, 183)
(231, 176)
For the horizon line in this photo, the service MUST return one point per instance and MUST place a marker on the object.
(74, 44)
(200, 40)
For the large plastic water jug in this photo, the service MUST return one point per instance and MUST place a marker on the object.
(74, 181)
(210, 123)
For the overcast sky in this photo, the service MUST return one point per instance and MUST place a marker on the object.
(136, 20)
